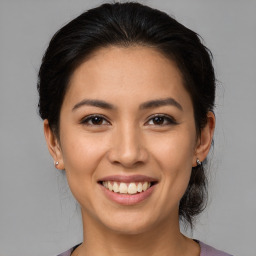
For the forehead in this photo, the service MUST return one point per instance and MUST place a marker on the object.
(130, 73)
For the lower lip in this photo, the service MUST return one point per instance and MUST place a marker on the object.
(127, 199)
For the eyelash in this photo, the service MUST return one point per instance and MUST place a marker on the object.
(170, 120)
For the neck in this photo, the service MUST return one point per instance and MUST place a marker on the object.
(165, 239)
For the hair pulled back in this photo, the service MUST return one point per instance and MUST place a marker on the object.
(124, 25)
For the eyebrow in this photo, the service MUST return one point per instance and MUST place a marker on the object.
(160, 103)
(95, 103)
(143, 106)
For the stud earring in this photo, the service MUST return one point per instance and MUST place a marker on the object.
(56, 164)
(198, 162)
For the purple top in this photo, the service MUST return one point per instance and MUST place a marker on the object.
(206, 250)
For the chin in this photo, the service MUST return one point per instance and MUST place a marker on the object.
(128, 228)
(129, 224)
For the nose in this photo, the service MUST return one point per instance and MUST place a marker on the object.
(127, 147)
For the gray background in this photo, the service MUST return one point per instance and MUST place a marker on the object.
(38, 215)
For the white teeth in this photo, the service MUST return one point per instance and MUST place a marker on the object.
(132, 188)
(145, 186)
(126, 188)
(123, 188)
(115, 187)
(109, 186)
(139, 187)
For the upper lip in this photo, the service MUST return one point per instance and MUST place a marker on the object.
(128, 178)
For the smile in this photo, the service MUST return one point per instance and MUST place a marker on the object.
(127, 188)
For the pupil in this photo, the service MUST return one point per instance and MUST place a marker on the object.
(97, 120)
(158, 120)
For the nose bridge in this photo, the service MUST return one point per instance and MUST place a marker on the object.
(128, 148)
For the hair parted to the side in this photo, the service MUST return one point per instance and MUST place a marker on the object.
(125, 25)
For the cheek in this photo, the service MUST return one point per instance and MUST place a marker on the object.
(175, 160)
(81, 150)
(82, 154)
(79, 155)
(175, 151)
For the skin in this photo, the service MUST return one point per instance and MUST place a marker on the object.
(128, 141)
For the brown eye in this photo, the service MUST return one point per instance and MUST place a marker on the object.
(97, 120)
(158, 120)
(161, 120)
(94, 120)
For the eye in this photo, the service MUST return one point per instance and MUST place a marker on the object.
(94, 120)
(161, 120)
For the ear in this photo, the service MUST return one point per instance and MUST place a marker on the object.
(205, 139)
(53, 145)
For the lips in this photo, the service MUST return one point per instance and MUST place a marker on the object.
(127, 179)
(127, 190)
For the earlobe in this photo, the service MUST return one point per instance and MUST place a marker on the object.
(53, 146)
(205, 139)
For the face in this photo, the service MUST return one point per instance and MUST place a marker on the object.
(127, 124)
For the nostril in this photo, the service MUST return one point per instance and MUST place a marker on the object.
(127, 155)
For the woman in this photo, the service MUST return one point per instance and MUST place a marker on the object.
(127, 96)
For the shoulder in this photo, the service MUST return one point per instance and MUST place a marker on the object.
(207, 250)
(66, 253)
